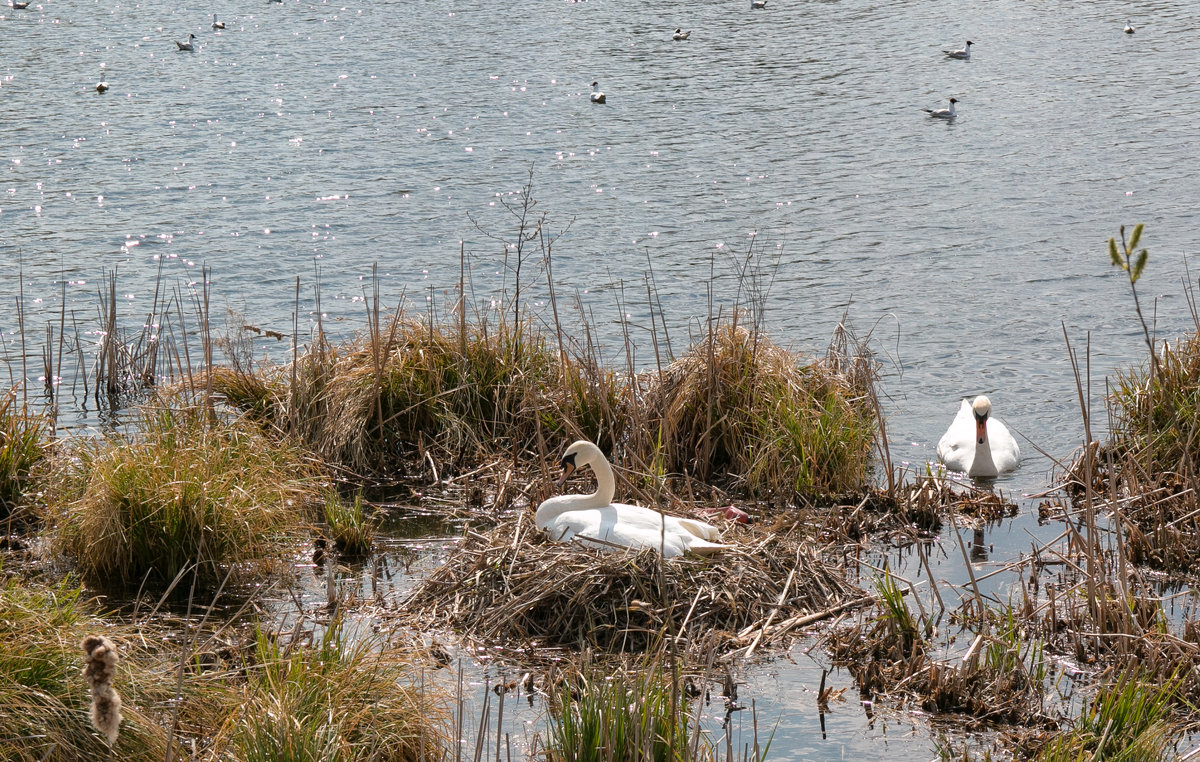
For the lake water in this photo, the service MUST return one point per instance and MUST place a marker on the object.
(315, 138)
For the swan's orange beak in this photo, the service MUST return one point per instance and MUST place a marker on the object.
(980, 430)
(568, 469)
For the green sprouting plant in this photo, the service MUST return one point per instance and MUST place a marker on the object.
(635, 714)
(338, 700)
(1133, 262)
(899, 619)
(349, 526)
(1129, 721)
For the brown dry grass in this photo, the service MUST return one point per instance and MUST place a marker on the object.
(510, 586)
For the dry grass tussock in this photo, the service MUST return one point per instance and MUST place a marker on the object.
(445, 396)
(183, 491)
(739, 411)
(1148, 473)
(442, 398)
(43, 690)
(512, 587)
(338, 698)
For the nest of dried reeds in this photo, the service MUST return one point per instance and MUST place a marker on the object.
(512, 587)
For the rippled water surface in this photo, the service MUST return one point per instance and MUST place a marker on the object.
(312, 138)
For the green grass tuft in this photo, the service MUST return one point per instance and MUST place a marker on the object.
(184, 491)
(351, 529)
(1127, 722)
(23, 443)
(340, 700)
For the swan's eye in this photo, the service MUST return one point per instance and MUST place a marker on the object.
(568, 460)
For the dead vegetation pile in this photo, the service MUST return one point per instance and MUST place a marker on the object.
(1000, 679)
(511, 587)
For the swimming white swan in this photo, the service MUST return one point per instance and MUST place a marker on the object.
(187, 45)
(597, 517)
(977, 444)
(680, 34)
(943, 113)
(1128, 27)
(964, 54)
(597, 96)
(102, 85)
(217, 24)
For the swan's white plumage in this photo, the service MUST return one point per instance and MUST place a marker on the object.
(960, 448)
(680, 34)
(217, 24)
(1128, 27)
(597, 517)
(597, 96)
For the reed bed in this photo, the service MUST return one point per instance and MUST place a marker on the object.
(514, 588)
(184, 492)
(24, 443)
(437, 398)
(999, 680)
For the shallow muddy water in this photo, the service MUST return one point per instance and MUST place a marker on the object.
(314, 139)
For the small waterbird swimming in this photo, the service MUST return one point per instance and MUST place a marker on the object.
(680, 34)
(187, 45)
(943, 113)
(597, 96)
(964, 54)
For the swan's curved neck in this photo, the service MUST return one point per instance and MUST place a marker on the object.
(606, 483)
(606, 487)
(983, 464)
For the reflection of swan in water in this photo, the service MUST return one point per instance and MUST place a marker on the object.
(597, 517)
(978, 444)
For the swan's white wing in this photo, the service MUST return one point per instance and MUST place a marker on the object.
(956, 448)
(700, 529)
(633, 526)
(1005, 452)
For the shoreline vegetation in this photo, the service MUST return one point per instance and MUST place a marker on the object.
(163, 534)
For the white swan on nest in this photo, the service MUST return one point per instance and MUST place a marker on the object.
(978, 444)
(597, 517)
